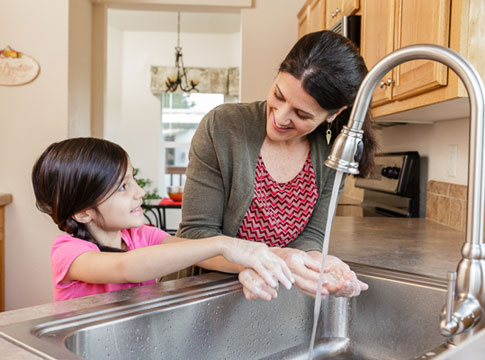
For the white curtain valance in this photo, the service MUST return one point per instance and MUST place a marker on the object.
(211, 80)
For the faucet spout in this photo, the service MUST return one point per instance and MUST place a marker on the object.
(345, 154)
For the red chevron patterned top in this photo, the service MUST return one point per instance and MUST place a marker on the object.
(279, 211)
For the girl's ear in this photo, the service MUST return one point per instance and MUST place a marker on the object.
(84, 216)
(333, 116)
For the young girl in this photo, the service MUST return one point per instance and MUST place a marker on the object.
(87, 186)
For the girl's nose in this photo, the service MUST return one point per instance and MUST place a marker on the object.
(140, 193)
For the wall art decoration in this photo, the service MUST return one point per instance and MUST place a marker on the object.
(17, 68)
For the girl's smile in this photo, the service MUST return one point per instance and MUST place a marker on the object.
(138, 209)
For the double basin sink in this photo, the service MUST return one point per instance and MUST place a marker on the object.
(397, 318)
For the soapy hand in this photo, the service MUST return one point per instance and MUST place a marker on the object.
(338, 278)
(305, 269)
(255, 287)
(261, 260)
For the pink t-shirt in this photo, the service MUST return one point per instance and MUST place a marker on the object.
(67, 248)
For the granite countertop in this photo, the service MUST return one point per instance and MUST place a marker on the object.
(411, 245)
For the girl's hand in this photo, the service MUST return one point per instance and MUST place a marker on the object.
(258, 257)
(338, 278)
(255, 287)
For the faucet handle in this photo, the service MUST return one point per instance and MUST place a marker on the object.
(450, 295)
(461, 315)
(448, 325)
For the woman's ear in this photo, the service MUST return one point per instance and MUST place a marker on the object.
(333, 116)
(84, 216)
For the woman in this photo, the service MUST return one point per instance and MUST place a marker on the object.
(256, 171)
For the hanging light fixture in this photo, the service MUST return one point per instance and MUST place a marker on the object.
(179, 77)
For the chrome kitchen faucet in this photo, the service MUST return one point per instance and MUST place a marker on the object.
(463, 314)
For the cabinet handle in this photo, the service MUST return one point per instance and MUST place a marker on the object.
(333, 14)
(389, 82)
(337, 10)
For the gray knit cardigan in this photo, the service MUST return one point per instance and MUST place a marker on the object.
(220, 175)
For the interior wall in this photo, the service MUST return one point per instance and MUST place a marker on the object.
(268, 32)
(32, 116)
(432, 142)
(133, 112)
(79, 68)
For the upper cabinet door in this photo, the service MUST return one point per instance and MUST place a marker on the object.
(333, 13)
(303, 22)
(316, 10)
(350, 7)
(336, 9)
(377, 40)
(421, 22)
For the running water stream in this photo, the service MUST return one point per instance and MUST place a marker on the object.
(328, 227)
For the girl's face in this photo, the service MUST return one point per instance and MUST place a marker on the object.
(291, 112)
(122, 209)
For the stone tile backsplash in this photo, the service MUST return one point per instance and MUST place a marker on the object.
(446, 204)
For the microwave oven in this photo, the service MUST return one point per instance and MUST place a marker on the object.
(349, 26)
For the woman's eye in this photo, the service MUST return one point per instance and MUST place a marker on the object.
(122, 187)
(302, 116)
(278, 96)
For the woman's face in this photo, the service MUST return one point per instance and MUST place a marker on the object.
(291, 112)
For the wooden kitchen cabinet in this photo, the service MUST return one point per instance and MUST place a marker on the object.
(337, 9)
(5, 199)
(390, 25)
(311, 17)
(318, 15)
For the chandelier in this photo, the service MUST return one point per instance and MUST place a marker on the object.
(179, 77)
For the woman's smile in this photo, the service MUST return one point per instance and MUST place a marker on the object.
(280, 128)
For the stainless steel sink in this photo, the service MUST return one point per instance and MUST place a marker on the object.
(397, 318)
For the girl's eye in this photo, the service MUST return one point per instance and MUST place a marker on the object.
(122, 187)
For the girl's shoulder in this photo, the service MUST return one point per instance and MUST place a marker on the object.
(69, 240)
(142, 236)
(66, 248)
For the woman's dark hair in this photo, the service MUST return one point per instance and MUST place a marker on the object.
(75, 175)
(331, 70)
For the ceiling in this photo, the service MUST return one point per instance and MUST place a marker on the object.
(165, 21)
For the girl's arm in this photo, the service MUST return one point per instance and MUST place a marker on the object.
(219, 263)
(154, 261)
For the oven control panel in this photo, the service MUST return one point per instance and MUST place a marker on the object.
(396, 173)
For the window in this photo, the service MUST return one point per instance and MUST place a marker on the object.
(181, 114)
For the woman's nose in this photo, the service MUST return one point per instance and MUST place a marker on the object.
(283, 115)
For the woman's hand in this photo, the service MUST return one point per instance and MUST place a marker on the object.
(338, 278)
(258, 257)
(305, 269)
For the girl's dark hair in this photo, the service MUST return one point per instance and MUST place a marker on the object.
(75, 175)
(331, 70)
